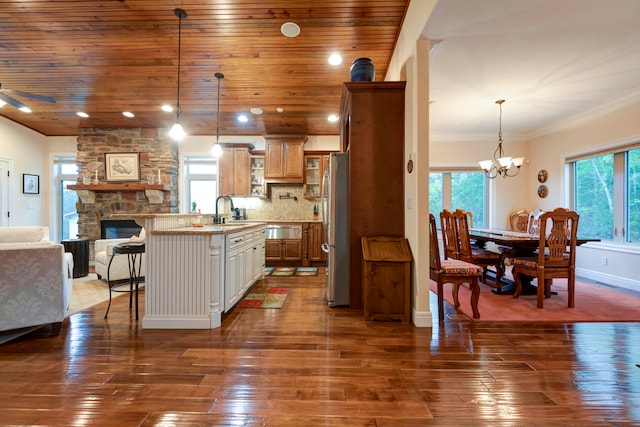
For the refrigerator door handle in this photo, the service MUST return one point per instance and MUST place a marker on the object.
(325, 215)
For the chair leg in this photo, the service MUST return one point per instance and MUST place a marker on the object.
(541, 286)
(517, 279)
(572, 289)
(475, 296)
(454, 293)
(440, 302)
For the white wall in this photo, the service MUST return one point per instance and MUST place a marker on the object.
(28, 150)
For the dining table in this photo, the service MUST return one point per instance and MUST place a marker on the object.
(513, 244)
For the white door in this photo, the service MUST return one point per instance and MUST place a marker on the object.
(5, 192)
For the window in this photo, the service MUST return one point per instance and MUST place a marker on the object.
(459, 190)
(65, 172)
(201, 189)
(606, 194)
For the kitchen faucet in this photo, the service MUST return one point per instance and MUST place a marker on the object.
(216, 217)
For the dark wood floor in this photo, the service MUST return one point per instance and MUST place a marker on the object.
(309, 365)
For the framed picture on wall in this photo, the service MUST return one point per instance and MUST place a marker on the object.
(122, 167)
(30, 183)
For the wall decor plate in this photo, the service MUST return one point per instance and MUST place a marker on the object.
(542, 175)
(543, 191)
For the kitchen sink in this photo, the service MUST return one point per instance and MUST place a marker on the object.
(274, 232)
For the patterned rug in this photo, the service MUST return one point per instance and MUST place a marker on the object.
(291, 271)
(273, 298)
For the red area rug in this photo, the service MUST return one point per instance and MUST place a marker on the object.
(593, 304)
(271, 298)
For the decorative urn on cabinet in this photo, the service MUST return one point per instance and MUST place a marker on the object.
(362, 70)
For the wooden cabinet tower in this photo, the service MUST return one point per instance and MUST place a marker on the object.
(372, 131)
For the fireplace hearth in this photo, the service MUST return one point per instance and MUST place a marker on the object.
(118, 228)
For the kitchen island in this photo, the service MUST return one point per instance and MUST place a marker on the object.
(195, 274)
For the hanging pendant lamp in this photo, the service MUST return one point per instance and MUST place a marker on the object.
(217, 149)
(177, 131)
(501, 165)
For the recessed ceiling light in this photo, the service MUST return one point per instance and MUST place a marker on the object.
(82, 114)
(242, 118)
(256, 110)
(333, 118)
(25, 109)
(128, 114)
(2, 103)
(335, 59)
(290, 29)
(166, 107)
(280, 110)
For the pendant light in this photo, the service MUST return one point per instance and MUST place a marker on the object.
(501, 164)
(217, 149)
(177, 131)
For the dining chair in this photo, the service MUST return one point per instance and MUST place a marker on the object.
(476, 255)
(533, 222)
(449, 234)
(518, 220)
(451, 271)
(556, 257)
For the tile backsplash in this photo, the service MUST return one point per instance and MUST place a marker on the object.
(281, 204)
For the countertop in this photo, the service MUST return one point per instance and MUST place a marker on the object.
(210, 229)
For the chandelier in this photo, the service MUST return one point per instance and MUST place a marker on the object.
(217, 149)
(501, 165)
(177, 131)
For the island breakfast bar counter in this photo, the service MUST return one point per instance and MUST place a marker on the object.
(195, 274)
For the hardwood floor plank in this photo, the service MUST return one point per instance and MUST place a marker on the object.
(310, 365)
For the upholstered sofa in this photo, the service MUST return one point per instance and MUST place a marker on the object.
(103, 250)
(36, 279)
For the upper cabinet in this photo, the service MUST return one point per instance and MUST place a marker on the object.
(284, 158)
(234, 171)
(257, 184)
(314, 167)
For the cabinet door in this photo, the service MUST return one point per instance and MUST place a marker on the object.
(293, 160)
(312, 176)
(284, 161)
(315, 238)
(292, 250)
(273, 157)
(273, 250)
(231, 277)
(234, 171)
(257, 187)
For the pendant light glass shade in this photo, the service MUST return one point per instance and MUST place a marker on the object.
(177, 131)
(217, 149)
(501, 165)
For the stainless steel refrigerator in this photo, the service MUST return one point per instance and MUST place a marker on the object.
(335, 211)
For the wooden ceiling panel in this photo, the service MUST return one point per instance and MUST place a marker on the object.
(107, 57)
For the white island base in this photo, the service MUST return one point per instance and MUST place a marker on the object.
(195, 274)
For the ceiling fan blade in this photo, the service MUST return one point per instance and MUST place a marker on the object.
(9, 100)
(31, 95)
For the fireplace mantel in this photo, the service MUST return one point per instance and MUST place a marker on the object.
(86, 192)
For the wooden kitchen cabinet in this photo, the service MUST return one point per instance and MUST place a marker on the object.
(314, 167)
(372, 129)
(284, 157)
(233, 167)
(257, 185)
(283, 250)
(314, 237)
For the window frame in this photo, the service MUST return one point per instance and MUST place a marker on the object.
(447, 196)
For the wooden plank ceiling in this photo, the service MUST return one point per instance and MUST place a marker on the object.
(106, 57)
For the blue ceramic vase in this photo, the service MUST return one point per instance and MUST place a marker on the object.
(362, 70)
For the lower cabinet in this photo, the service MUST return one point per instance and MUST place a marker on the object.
(283, 250)
(314, 237)
(244, 264)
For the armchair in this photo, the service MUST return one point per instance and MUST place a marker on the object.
(103, 250)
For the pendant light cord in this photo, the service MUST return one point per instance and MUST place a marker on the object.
(180, 14)
(219, 76)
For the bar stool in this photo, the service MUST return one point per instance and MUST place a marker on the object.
(133, 251)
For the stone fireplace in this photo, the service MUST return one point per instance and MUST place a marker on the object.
(158, 157)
